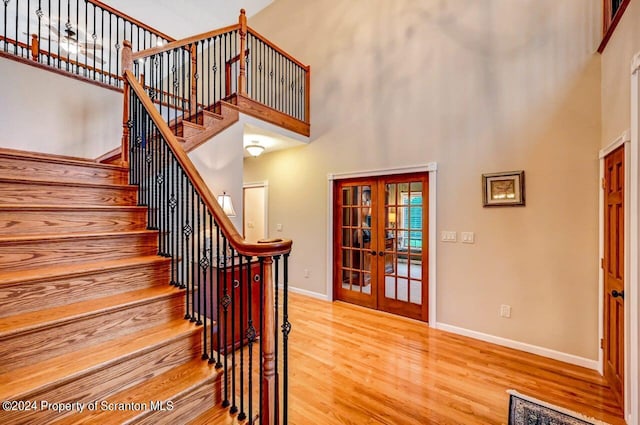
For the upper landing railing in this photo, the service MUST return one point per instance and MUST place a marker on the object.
(85, 39)
(187, 76)
(81, 37)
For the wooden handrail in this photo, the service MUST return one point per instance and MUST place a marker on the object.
(266, 249)
(130, 19)
(36, 51)
(276, 48)
(183, 42)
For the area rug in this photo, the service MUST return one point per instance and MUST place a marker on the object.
(525, 410)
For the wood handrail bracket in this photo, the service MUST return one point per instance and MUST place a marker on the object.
(275, 247)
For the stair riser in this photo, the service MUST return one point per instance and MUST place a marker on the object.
(29, 347)
(31, 296)
(186, 407)
(15, 167)
(41, 221)
(41, 253)
(103, 382)
(23, 193)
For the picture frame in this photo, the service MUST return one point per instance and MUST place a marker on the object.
(504, 189)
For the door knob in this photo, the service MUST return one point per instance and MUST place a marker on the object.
(616, 294)
(381, 253)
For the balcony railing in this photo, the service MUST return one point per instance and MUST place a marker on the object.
(185, 77)
(82, 37)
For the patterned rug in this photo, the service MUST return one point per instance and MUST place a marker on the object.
(525, 410)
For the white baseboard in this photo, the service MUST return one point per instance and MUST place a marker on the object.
(311, 294)
(522, 346)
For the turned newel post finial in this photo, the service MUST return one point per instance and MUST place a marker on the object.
(127, 56)
(242, 76)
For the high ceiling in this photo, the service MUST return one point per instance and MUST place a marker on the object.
(188, 17)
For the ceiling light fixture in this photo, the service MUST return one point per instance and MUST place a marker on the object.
(255, 149)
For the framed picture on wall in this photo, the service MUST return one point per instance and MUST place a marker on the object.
(504, 189)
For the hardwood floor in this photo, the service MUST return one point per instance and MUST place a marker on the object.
(351, 365)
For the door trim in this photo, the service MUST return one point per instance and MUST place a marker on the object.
(623, 139)
(431, 168)
(633, 366)
(264, 184)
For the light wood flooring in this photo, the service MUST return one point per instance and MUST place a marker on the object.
(352, 365)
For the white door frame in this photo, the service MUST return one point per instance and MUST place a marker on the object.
(632, 365)
(623, 139)
(430, 168)
(264, 184)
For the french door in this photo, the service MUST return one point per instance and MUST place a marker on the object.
(380, 243)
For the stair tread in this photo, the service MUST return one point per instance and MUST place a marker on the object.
(13, 277)
(213, 114)
(194, 125)
(70, 366)
(163, 387)
(38, 319)
(71, 160)
(215, 415)
(88, 208)
(52, 182)
(79, 236)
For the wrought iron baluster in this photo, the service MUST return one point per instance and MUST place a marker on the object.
(191, 255)
(226, 301)
(242, 415)
(173, 233)
(184, 240)
(251, 336)
(234, 407)
(286, 329)
(261, 345)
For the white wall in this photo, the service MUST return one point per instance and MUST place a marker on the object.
(219, 162)
(477, 86)
(45, 112)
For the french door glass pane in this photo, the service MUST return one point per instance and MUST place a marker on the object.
(356, 238)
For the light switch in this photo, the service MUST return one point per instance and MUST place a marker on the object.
(279, 227)
(448, 236)
(467, 237)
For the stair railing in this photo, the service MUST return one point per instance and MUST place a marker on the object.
(187, 76)
(232, 287)
(82, 37)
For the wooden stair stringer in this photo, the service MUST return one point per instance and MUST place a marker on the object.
(228, 114)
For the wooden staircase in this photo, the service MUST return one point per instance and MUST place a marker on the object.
(87, 314)
(193, 130)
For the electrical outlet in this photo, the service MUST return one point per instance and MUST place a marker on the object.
(306, 273)
(505, 311)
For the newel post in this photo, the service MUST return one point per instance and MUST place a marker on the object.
(127, 65)
(193, 98)
(35, 47)
(269, 382)
(242, 76)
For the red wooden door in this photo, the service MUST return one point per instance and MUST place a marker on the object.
(613, 265)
